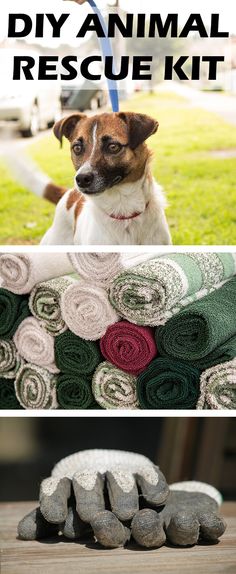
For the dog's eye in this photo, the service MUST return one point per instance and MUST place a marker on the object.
(114, 147)
(78, 148)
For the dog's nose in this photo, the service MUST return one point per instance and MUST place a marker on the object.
(84, 180)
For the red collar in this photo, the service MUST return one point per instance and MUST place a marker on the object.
(124, 217)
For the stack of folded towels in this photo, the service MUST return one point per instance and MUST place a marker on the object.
(118, 331)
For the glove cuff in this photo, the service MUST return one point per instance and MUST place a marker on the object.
(201, 487)
(101, 461)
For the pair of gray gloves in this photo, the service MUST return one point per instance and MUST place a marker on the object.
(115, 495)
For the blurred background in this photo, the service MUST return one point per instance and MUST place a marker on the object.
(194, 149)
(185, 448)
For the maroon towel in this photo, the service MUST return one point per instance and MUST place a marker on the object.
(128, 346)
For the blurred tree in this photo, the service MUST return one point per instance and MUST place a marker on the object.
(158, 48)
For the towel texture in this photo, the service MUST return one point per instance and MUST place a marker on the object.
(168, 384)
(205, 332)
(218, 387)
(113, 388)
(13, 309)
(96, 267)
(152, 292)
(45, 303)
(87, 311)
(102, 267)
(10, 361)
(8, 398)
(129, 347)
(36, 388)
(74, 392)
(20, 272)
(35, 345)
(75, 355)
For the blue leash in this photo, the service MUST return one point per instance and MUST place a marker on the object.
(107, 51)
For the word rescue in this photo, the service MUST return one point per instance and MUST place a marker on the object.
(139, 26)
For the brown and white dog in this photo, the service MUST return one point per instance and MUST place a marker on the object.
(116, 201)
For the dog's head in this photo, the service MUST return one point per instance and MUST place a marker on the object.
(107, 149)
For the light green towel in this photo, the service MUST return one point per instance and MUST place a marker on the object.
(150, 293)
(218, 387)
(45, 303)
(10, 360)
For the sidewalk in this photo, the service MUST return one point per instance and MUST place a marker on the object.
(223, 105)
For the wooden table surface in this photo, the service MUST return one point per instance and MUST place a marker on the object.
(52, 557)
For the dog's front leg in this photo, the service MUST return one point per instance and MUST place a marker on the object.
(62, 230)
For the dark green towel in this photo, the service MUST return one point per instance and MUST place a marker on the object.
(204, 333)
(75, 355)
(13, 309)
(168, 384)
(74, 392)
(8, 398)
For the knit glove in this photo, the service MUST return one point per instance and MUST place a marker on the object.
(191, 514)
(99, 489)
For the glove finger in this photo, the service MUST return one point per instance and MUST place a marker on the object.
(123, 493)
(109, 531)
(211, 526)
(34, 526)
(74, 527)
(53, 498)
(153, 485)
(183, 529)
(89, 494)
(147, 528)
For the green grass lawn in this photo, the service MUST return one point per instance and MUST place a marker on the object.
(200, 189)
(24, 218)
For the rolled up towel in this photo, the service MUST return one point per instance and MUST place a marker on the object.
(8, 398)
(150, 293)
(96, 267)
(35, 345)
(20, 272)
(113, 388)
(75, 355)
(168, 384)
(102, 267)
(13, 310)
(45, 303)
(10, 360)
(74, 392)
(218, 387)
(205, 332)
(36, 388)
(86, 310)
(129, 347)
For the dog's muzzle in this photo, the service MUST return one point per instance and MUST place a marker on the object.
(92, 182)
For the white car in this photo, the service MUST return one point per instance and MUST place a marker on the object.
(28, 105)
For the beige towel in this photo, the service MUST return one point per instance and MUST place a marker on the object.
(102, 267)
(35, 345)
(86, 310)
(20, 272)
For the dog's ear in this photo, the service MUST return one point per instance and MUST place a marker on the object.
(65, 126)
(140, 127)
